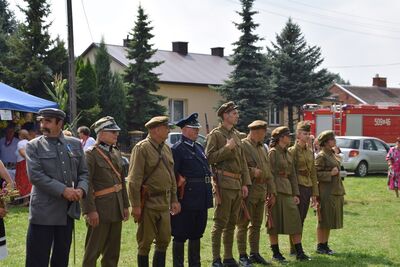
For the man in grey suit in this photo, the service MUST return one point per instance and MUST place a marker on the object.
(58, 173)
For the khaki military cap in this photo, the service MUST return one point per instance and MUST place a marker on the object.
(258, 124)
(105, 124)
(226, 107)
(280, 131)
(51, 113)
(303, 126)
(325, 136)
(157, 121)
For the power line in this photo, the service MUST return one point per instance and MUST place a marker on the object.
(345, 14)
(335, 19)
(87, 21)
(364, 66)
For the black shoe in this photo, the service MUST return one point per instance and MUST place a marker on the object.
(292, 252)
(324, 249)
(279, 258)
(244, 261)
(230, 263)
(302, 257)
(143, 261)
(217, 263)
(257, 258)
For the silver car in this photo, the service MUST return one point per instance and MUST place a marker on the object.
(363, 155)
(174, 137)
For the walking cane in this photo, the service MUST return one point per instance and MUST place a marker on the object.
(73, 237)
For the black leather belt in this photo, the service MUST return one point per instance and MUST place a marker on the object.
(206, 179)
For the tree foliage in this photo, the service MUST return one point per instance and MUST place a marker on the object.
(141, 81)
(35, 57)
(112, 95)
(247, 85)
(87, 93)
(295, 73)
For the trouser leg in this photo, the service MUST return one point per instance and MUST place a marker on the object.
(62, 244)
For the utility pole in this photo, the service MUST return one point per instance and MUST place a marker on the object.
(71, 65)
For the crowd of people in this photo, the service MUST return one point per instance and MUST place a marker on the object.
(171, 189)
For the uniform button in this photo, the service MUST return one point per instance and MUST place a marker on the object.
(63, 162)
(61, 153)
(65, 172)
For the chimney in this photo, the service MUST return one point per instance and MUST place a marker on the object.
(125, 41)
(217, 51)
(180, 47)
(379, 81)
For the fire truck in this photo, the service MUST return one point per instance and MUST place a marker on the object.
(382, 122)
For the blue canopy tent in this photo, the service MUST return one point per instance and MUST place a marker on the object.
(13, 99)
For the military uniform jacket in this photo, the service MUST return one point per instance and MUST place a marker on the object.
(304, 165)
(161, 183)
(283, 171)
(191, 162)
(110, 207)
(257, 157)
(52, 165)
(324, 164)
(225, 159)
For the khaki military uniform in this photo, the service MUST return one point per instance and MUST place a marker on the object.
(232, 173)
(303, 159)
(256, 157)
(285, 214)
(155, 221)
(105, 238)
(331, 190)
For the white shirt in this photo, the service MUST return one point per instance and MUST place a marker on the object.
(21, 145)
(88, 143)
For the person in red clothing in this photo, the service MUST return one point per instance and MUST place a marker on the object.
(21, 177)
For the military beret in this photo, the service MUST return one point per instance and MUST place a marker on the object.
(258, 124)
(303, 126)
(105, 124)
(51, 113)
(325, 136)
(226, 107)
(191, 121)
(280, 131)
(157, 121)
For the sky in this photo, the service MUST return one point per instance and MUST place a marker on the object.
(358, 38)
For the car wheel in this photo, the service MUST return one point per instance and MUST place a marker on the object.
(362, 169)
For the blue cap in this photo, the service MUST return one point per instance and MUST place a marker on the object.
(191, 121)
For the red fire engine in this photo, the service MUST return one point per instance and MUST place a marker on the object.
(360, 120)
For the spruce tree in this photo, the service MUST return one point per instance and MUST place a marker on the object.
(35, 56)
(112, 95)
(8, 25)
(295, 74)
(87, 93)
(143, 103)
(247, 85)
(103, 75)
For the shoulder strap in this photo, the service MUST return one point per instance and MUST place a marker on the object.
(107, 159)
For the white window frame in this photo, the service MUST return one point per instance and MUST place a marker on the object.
(274, 115)
(171, 110)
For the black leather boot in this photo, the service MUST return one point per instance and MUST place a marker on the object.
(277, 255)
(178, 253)
(300, 255)
(194, 253)
(143, 261)
(159, 259)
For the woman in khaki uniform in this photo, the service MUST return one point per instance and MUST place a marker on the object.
(331, 191)
(285, 214)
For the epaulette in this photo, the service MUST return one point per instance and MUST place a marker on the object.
(178, 143)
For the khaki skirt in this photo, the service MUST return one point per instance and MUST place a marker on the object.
(285, 216)
(331, 212)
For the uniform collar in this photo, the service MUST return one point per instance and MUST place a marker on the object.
(300, 147)
(105, 147)
(327, 150)
(60, 138)
(256, 144)
(187, 141)
(154, 143)
(223, 128)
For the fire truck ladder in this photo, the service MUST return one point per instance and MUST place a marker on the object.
(337, 119)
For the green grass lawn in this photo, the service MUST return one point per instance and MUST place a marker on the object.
(370, 237)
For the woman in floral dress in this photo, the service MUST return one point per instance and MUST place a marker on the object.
(393, 159)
